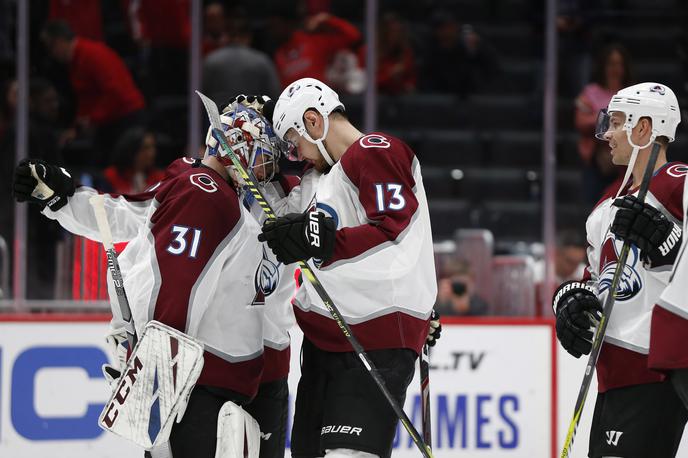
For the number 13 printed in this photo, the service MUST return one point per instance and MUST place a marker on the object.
(395, 202)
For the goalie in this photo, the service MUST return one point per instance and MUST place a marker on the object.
(190, 264)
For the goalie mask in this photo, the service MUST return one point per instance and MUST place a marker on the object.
(645, 100)
(252, 139)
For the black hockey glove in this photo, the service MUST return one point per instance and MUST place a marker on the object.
(435, 329)
(577, 309)
(300, 236)
(647, 228)
(50, 186)
(261, 103)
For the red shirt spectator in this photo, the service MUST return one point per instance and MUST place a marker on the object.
(308, 52)
(396, 71)
(83, 16)
(103, 85)
(165, 23)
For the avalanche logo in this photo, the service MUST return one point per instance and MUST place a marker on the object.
(677, 170)
(203, 181)
(658, 89)
(374, 141)
(293, 88)
(266, 279)
(630, 283)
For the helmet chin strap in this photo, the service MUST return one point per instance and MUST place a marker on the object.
(319, 142)
(634, 156)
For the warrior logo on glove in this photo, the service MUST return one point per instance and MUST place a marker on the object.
(38, 182)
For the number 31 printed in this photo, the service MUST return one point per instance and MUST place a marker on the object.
(395, 202)
(178, 245)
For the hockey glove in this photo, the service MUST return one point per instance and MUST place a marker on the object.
(118, 345)
(261, 103)
(435, 330)
(42, 183)
(578, 310)
(300, 236)
(647, 228)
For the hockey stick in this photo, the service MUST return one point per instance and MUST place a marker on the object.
(98, 204)
(425, 396)
(606, 314)
(216, 124)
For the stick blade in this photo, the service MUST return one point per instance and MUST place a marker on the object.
(211, 110)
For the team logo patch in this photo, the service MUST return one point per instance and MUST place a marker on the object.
(266, 279)
(374, 141)
(658, 89)
(677, 170)
(630, 283)
(293, 88)
(188, 160)
(203, 181)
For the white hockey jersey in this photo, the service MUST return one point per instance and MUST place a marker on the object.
(623, 360)
(382, 273)
(277, 283)
(191, 262)
(669, 329)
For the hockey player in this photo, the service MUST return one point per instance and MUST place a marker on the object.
(654, 234)
(276, 281)
(190, 264)
(637, 412)
(367, 229)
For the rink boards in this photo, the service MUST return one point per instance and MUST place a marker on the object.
(500, 388)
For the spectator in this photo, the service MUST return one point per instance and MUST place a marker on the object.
(573, 42)
(162, 28)
(214, 28)
(83, 16)
(45, 137)
(307, 51)
(456, 291)
(611, 72)
(570, 259)
(396, 66)
(457, 59)
(45, 140)
(133, 169)
(107, 98)
(238, 69)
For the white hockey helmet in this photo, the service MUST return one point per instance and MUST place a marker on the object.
(653, 100)
(299, 97)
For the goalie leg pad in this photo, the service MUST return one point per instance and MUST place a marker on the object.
(155, 385)
(238, 433)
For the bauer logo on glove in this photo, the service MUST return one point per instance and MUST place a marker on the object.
(300, 236)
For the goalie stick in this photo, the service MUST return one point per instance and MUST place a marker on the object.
(98, 204)
(606, 314)
(216, 125)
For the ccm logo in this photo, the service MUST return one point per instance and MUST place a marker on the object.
(314, 228)
(122, 393)
(341, 429)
